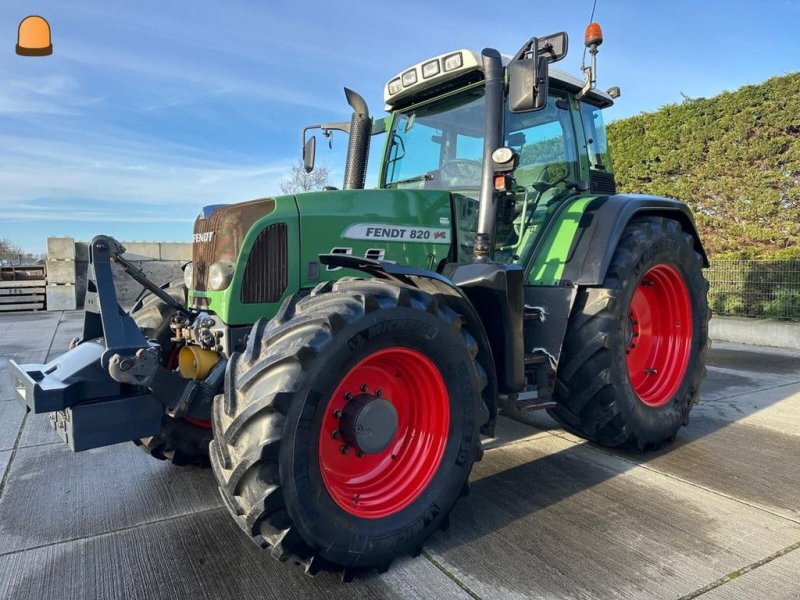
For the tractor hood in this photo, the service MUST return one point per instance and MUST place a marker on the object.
(270, 247)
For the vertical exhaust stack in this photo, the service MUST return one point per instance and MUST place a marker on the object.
(355, 170)
(492, 140)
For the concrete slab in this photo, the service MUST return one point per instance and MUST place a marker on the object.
(69, 326)
(549, 518)
(52, 494)
(198, 556)
(5, 456)
(742, 435)
(26, 337)
(776, 580)
(37, 432)
(6, 391)
(11, 416)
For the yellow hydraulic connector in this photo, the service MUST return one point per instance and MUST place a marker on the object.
(195, 363)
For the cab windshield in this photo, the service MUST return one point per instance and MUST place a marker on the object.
(439, 145)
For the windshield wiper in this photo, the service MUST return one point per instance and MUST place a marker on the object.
(426, 177)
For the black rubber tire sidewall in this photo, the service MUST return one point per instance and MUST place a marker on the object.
(655, 423)
(318, 518)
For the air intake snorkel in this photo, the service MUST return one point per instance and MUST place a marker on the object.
(355, 169)
(492, 139)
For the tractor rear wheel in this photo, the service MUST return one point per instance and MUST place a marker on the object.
(183, 442)
(635, 349)
(349, 425)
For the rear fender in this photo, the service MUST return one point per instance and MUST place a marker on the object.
(601, 228)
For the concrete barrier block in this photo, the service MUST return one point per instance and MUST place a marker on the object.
(61, 297)
(60, 248)
(61, 271)
(176, 251)
(756, 332)
(150, 250)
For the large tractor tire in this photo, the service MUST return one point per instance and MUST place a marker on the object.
(183, 442)
(635, 349)
(349, 425)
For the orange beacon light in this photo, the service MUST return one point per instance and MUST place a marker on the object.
(33, 37)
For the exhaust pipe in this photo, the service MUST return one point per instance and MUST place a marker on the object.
(355, 170)
(492, 140)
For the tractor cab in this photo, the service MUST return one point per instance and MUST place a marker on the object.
(436, 136)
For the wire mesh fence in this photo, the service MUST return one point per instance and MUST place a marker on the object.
(755, 288)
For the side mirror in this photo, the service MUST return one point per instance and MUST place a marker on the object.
(309, 153)
(528, 72)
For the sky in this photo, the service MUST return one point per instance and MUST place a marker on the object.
(149, 110)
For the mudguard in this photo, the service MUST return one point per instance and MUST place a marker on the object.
(601, 227)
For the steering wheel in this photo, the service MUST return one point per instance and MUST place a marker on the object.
(545, 182)
(461, 171)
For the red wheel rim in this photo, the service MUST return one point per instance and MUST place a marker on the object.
(377, 485)
(660, 335)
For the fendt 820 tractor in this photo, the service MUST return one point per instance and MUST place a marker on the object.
(335, 356)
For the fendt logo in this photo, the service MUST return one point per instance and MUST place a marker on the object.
(203, 237)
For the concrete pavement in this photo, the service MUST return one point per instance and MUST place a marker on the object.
(716, 514)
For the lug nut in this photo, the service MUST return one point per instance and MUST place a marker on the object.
(336, 435)
(359, 453)
(344, 449)
(348, 395)
(364, 387)
(337, 414)
(379, 392)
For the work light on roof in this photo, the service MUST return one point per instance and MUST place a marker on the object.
(409, 77)
(395, 86)
(430, 68)
(453, 62)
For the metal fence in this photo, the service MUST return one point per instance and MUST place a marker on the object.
(755, 288)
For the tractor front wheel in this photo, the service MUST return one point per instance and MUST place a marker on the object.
(349, 425)
(634, 351)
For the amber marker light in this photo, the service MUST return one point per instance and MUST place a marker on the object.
(593, 36)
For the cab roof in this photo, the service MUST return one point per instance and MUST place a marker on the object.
(397, 92)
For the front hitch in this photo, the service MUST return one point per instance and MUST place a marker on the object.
(110, 387)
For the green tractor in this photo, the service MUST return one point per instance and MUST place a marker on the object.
(336, 356)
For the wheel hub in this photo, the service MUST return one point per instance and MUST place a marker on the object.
(658, 333)
(368, 423)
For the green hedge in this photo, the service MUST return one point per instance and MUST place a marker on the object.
(734, 158)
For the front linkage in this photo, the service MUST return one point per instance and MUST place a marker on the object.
(112, 386)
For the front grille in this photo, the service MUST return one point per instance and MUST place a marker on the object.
(203, 253)
(266, 273)
(220, 236)
(602, 182)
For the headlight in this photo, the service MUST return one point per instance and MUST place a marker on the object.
(188, 275)
(220, 275)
